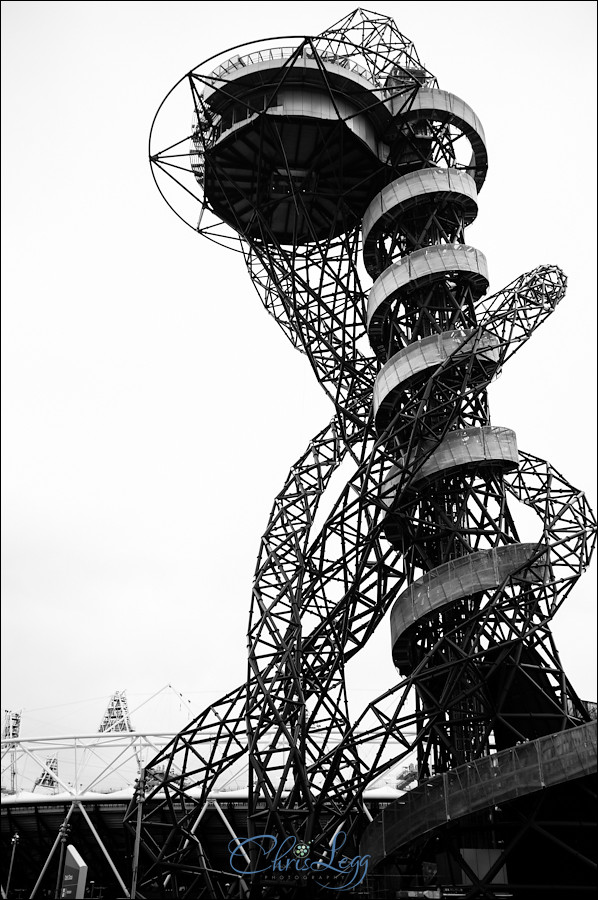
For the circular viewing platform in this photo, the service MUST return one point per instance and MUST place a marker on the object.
(295, 153)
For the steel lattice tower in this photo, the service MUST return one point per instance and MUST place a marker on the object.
(325, 161)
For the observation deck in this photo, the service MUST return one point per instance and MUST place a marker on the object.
(296, 152)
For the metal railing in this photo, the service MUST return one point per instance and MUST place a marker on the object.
(520, 770)
(272, 53)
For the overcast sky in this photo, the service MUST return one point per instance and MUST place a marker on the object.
(152, 408)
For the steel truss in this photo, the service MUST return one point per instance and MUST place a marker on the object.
(407, 370)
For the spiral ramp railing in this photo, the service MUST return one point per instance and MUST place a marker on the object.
(484, 597)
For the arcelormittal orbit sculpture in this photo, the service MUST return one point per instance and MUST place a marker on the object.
(324, 159)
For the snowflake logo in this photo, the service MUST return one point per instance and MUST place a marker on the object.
(301, 850)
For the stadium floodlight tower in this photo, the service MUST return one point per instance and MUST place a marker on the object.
(326, 160)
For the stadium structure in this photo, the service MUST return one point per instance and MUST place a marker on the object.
(76, 789)
(346, 177)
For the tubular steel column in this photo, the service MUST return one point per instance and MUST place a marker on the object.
(319, 157)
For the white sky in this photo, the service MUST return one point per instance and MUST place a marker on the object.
(152, 408)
